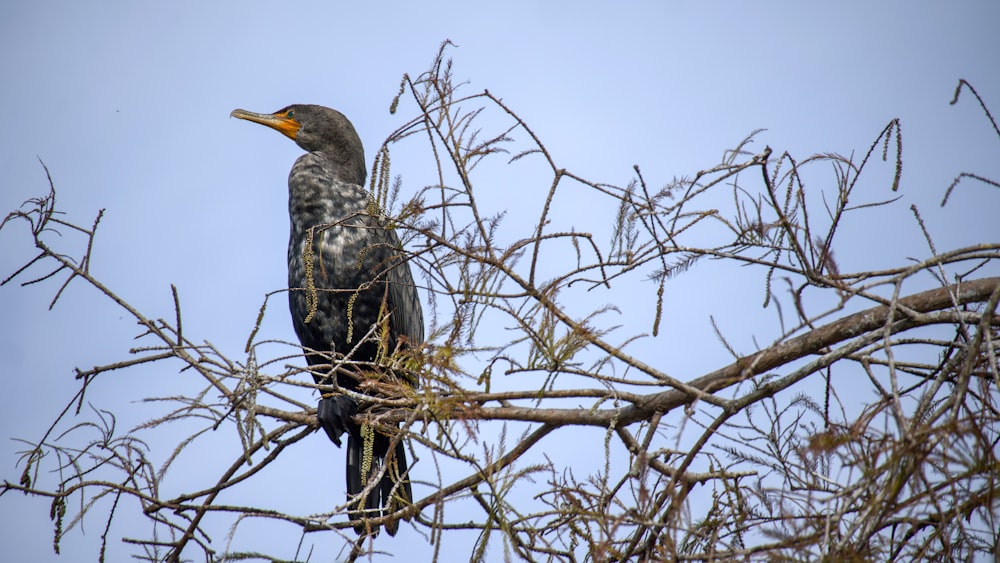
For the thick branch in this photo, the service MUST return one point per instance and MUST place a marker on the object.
(755, 364)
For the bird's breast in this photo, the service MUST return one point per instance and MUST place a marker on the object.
(330, 216)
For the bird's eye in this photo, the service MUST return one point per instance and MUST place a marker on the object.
(290, 114)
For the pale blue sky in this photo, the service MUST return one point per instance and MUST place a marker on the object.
(128, 103)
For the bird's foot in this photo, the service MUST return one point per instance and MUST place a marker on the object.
(334, 415)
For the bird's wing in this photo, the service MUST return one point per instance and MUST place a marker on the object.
(407, 316)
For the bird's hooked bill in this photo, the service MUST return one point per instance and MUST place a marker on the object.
(282, 120)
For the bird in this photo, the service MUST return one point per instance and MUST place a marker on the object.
(351, 292)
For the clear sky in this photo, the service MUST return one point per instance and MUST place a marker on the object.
(128, 104)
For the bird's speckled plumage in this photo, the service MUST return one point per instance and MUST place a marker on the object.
(354, 259)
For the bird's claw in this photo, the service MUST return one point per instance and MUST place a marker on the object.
(334, 415)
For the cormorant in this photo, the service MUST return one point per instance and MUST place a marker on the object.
(361, 281)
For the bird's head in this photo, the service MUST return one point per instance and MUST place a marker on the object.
(317, 129)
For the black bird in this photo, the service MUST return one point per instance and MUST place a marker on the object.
(361, 281)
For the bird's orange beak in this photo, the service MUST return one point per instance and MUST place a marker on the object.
(280, 121)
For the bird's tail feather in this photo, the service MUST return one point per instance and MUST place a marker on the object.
(397, 492)
(393, 491)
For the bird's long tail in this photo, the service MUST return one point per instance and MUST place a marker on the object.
(392, 493)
